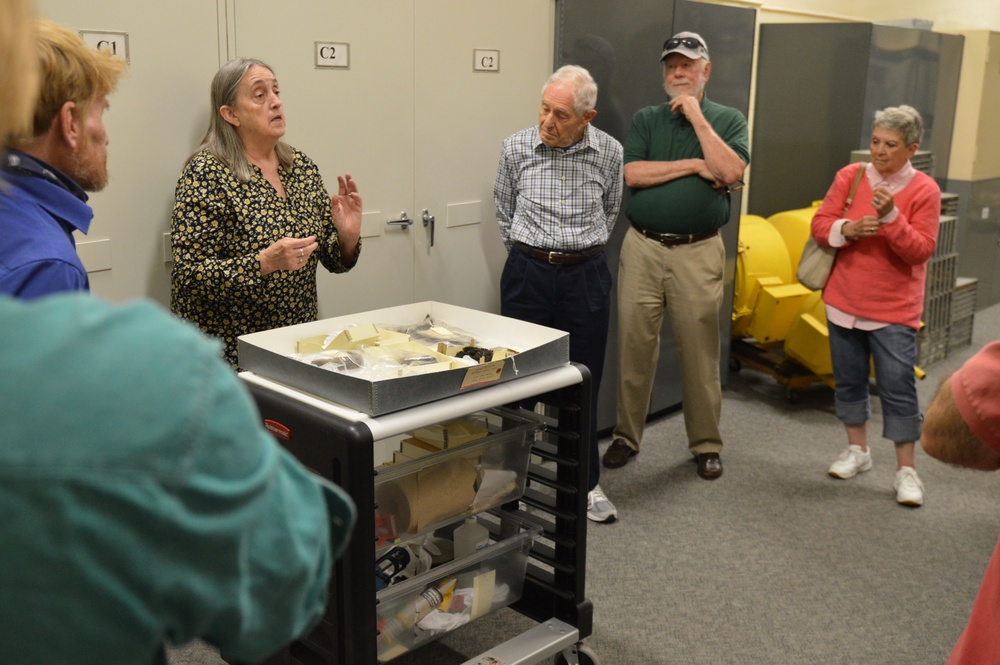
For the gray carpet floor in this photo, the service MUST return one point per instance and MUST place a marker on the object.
(775, 562)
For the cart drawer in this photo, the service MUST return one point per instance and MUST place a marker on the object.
(417, 496)
(429, 606)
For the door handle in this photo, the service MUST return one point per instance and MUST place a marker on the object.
(403, 222)
(429, 221)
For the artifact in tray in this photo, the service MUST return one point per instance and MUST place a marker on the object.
(377, 352)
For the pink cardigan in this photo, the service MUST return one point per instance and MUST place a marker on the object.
(881, 278)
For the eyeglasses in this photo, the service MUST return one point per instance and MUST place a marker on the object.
(689, 42)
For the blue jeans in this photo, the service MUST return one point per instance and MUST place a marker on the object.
(894, 352)
(573, 298)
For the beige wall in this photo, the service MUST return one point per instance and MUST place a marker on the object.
(976, 141)
(946, 16)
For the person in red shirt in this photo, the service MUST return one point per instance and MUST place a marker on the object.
(963, 428)
(874, 297)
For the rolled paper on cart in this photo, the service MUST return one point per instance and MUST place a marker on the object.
(432, 494)
(445, 490)
(396, 498)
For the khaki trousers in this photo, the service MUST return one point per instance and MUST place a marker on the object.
(686, 283)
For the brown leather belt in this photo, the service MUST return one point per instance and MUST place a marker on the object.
(675, 239)
(559, 258)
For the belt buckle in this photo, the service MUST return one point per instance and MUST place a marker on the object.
(555, 258)
(669, 240)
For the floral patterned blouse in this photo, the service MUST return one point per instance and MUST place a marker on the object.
(219, 226)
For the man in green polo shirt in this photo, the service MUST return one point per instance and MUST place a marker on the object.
(681, 159)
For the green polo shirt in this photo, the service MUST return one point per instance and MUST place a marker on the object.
(688, 204)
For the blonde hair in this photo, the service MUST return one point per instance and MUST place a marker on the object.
(18, 67)
(71, 72)
(221, 139)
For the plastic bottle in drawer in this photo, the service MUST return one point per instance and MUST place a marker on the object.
(428, 606)
(414, 496)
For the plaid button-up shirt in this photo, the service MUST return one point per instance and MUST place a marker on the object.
(562, 199)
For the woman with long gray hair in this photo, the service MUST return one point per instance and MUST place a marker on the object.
(883, 217)
(252, 218)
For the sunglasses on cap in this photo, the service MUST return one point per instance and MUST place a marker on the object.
(689, 42)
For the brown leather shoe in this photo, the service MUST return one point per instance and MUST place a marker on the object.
(618, 454)
(709, 465)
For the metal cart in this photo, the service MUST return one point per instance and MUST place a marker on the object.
(337, 443)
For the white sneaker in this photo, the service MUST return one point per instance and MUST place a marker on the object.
(909, 489)
(851, 462)
(599, 508)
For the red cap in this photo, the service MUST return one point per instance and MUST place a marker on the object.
(975, 388)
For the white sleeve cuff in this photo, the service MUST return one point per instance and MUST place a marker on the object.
(837, 238)
(890, 216)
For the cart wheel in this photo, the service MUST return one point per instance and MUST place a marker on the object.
(584, 656)
(734, 364)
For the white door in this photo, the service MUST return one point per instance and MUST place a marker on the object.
(461, 118)
(157, 117)
(414, 124)
(409, 119)
(357, 120)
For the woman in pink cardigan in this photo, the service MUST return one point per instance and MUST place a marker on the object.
(875, 294)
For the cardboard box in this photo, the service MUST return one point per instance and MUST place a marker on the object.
(452, 433)
(415, 448)
(270, 355)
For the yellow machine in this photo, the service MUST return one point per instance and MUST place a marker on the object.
(779, 326)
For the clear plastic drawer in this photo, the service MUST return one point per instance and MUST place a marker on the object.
(414, 496)
(428, 606)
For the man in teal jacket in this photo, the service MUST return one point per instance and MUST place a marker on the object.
(141, 499)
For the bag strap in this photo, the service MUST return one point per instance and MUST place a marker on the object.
(854, 186)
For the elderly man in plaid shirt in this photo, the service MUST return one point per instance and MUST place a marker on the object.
(557, 193)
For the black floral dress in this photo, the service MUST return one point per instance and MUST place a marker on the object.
(219, 226)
